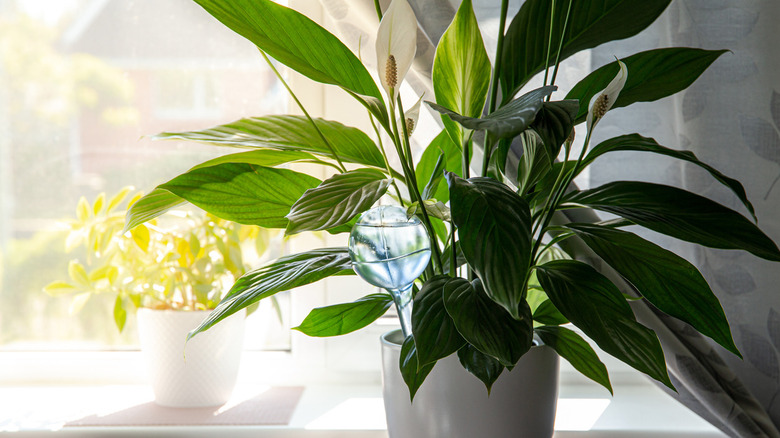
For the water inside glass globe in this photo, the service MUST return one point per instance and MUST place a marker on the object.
(388, 249)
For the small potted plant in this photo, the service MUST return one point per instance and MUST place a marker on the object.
(173, 271)
(491, 286)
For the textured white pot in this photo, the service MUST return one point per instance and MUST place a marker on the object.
(207, 375)
(452, 403)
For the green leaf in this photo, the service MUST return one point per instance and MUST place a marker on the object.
(635, 142)
(546, 313)
(263, 157)
(534, 164)
(154, 204)
(120, 314)
(434, 208)
(652, 75)
(554, 123)
(285, 273)
(484, 367)
(679, 213)
(294, 40)
(413, 375)
(337, 200)
(486, 325)
(243, 193)
(494, 227)
(591, 23)
(507, 121)
(577, 351)
(427, 170)
(289, 133)
(78, 274)
(345, 318)
(666, 280)
(434, 331)
(461, 70)
(595, 305)
(141, 237)
(58, 288)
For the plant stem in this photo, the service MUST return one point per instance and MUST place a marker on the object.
(560, 47)
(487, 152)
(454, 256)
(306, 113)
(492, 99)
(384, 155)
(416, 190)
(378, 8)
(466, 162)
(549, 41)
(558, 192)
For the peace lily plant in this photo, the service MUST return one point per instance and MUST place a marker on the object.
(496, 278)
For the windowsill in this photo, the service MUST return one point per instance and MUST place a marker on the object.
(325, 411)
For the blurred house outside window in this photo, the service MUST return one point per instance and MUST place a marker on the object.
(83, 85)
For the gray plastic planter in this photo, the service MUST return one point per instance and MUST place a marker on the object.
(452, 403)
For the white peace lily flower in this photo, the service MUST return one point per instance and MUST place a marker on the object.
(412, 115)
(603, 101)
(396, 44)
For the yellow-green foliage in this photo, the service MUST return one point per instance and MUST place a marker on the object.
(180, 261)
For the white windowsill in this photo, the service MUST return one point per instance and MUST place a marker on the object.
(330, 411)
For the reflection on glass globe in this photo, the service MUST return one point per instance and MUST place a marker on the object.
(388, 249)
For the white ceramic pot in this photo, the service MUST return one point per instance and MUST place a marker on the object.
(452, 403)
(207, 374)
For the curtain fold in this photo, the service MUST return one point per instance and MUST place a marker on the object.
(730, 118)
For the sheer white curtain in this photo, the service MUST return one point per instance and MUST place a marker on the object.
(730, 118)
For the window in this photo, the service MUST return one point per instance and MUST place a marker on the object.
(83, 83)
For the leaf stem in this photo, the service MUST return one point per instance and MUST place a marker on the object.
(549, 42)
(454, 256)
(560, 47)
(306, 113)
(416, 190)
(384, 155)
(492, 99)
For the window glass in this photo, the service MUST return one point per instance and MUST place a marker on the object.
(84, 84)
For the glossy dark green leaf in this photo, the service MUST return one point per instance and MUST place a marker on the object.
(494, 230)
(243, 193)
(652, 75)
(666, 280)
(546, 313)
(427, 170)
(591, 23)
(461, 70)
(285, 273)
(595, 305)
(337, 200)
(152, 205)
(435, 334)
(413, 375)
(507, 121)
(534, 165)
(482, 366)
(341, 319)
(577, 351)
(290, 133)
(486, 325)
(294, 40)
(679, 213)
(554, 123)
(635, 142)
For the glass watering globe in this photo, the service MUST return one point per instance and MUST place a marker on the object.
(390, 250)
